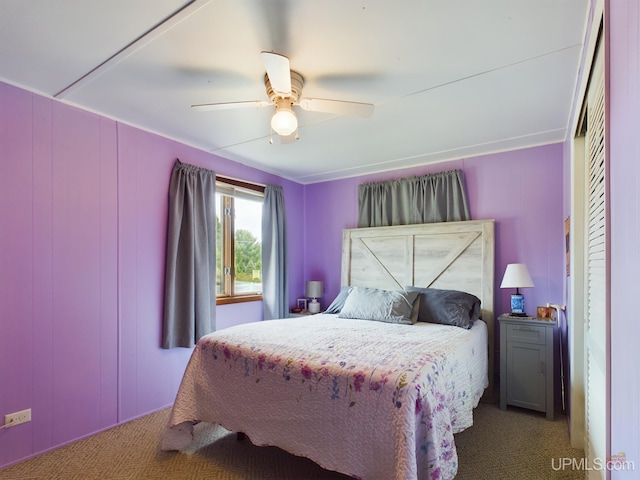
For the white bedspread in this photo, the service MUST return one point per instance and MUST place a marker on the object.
(368, 399)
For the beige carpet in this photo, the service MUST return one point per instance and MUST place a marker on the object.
(514, 444)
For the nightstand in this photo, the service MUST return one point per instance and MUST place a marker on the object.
(526, 363)
(304, 313)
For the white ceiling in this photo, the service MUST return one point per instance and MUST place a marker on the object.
(449, 79)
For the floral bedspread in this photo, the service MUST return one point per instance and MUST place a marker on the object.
(368, 399)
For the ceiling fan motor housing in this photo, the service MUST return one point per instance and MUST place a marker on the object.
(296, 88)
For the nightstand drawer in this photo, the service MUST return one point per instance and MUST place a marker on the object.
(527, 333)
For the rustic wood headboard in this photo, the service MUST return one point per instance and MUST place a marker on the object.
(451, 255)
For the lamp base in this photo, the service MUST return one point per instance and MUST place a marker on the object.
(314, 306)
(517, 305)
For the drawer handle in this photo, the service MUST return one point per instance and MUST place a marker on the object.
(526, 329)
(541, 368)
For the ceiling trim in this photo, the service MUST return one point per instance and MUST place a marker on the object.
(188, 9)
(538, 139)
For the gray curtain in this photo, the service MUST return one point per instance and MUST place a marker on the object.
(190, 272)
(439, 197)
(275, 284)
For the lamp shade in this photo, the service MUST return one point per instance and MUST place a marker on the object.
(516, 275)
(314, 289)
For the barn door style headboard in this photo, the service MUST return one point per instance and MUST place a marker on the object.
(451, 255)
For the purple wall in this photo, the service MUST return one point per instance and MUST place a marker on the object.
(624, 152)
(83, 227)
(144, 167)
(83, 215)
(521, 190)
(82, 212)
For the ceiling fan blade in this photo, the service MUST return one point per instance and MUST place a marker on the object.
(229, 105)
(351, 109)
(279, 72)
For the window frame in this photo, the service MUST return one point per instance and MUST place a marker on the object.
(227, 235)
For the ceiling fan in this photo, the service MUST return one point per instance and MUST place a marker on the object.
(284, 89)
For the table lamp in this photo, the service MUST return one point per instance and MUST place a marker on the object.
(314, 290)
(517, 276)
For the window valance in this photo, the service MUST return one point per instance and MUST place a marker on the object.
(438, 197)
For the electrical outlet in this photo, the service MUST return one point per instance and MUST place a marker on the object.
(16, 418)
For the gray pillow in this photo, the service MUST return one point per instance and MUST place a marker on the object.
(338, 302)
(381, 305)
(447, 307)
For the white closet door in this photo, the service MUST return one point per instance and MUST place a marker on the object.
(596, 332)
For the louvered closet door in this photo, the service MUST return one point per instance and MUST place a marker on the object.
(596, 309)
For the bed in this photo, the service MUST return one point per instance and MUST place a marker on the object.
(370, 399)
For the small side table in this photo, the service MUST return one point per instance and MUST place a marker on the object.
(303, 313)
(526, 363)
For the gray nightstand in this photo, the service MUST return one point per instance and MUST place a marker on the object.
(526, 363)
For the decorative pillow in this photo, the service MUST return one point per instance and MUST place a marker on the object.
(447, 307)
(338, 302)
(381, 305)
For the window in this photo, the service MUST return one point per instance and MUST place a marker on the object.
(238, 241)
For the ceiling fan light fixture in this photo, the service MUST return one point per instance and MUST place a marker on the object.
(284, 121)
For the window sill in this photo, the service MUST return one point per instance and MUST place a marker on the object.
(238, 299)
